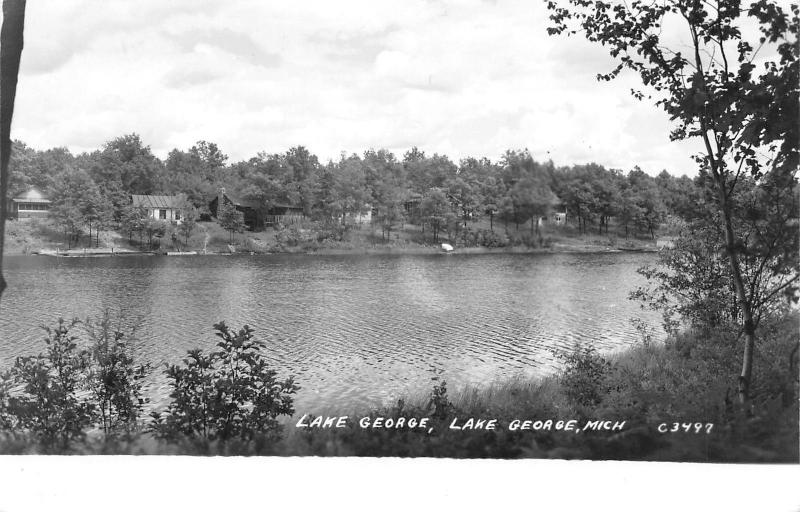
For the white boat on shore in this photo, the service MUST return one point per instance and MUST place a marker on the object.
(447, 248)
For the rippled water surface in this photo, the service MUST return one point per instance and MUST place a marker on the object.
(355, 331)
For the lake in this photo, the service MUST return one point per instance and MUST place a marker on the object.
(356, 331)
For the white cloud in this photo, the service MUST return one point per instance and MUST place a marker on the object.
(463, 78)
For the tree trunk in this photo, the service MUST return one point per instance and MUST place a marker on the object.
(491, 222)
(11, 50)
(745, 378)
(749, 327)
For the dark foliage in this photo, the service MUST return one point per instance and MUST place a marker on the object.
(114, 379)
(50, 405)
(584, 376)
(227, 395)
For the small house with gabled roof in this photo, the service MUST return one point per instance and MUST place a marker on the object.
(169, 208)
(29, 205)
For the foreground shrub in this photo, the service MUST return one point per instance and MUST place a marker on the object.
(584, 376)
(227, 395)
(114, 379)
(49, 404)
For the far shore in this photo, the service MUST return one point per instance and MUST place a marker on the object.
(410, 251)
(209, 239)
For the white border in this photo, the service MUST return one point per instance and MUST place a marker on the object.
(126, 483)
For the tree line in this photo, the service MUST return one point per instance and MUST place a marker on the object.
(91, 191)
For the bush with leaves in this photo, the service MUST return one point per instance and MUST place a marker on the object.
(584, 376)
(439, 404)
(227, 395)
(58, 396)
(49, 404)
(188, 223)
(230, 219)
(113, 378)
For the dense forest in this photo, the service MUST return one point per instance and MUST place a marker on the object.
(92, 190)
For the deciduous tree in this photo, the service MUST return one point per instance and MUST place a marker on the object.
(737, 96)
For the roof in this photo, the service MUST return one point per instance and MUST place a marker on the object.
(254, 204)
(176, 201)
(31, 196)
(237, 201)
(555, 200)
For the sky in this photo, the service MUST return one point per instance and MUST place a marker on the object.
(460, 78)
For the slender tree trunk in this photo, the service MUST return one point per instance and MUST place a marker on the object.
(749, 327)
(491, 222)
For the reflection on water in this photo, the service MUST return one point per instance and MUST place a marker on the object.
(355, 331)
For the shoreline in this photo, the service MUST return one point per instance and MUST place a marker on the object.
(472, 251)
(360, 251)
(210, 240)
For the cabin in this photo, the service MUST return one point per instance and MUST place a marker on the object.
(168, 208)
(559, 218)
(412, 203)
(558, 213)
(362, 217)
(665, 242)
(283, 214)
(249, 208)
(255, 217)
(31, 204)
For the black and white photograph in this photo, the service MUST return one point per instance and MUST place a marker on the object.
(467, 229)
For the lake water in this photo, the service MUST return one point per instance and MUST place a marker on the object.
(356, 331)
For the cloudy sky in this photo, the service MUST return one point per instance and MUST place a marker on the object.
(463, 78)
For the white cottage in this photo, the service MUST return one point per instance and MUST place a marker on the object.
(169, 208)
(29, 205)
